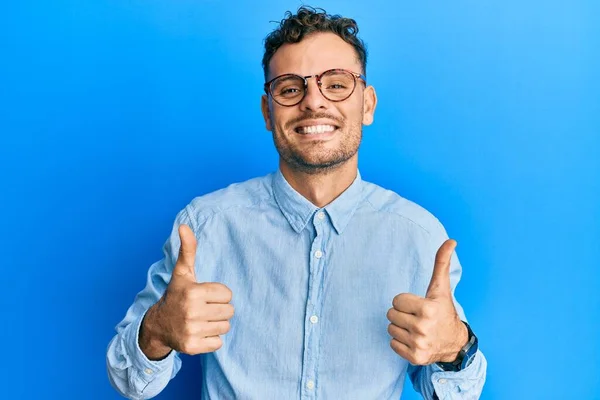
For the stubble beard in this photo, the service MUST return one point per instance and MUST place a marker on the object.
(314, 160)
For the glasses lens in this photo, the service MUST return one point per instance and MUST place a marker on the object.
(337, 85)
(288, 89)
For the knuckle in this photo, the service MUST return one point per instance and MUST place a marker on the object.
(398, 299)
(419, 357)
(397, 349)
(197, 292)
(203, 330)
(226, 326)
(424, 357)
(213, 289)
(187, 316)
(204, 288)
(416, 357)
(420, 342)
(390, 314)
(227, 311)
(187, 296)
(420, 327)
(390, 329)
(186, 333)
(187, 348)
(216, 344)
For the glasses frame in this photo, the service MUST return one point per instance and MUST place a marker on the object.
(355, 75)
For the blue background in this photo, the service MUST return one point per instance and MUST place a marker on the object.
(115, 114)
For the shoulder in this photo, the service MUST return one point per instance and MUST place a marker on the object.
(250, 193)
(386, 201)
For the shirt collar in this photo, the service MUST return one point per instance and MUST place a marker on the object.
(298, 210)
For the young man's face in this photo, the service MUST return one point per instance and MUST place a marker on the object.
(298, 147)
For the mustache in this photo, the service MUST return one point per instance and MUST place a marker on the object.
(316, 115)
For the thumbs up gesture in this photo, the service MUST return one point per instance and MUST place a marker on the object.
(428, 330)
(190, 316)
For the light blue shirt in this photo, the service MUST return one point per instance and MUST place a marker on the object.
(311, 290)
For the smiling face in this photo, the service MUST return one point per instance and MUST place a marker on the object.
(318, 135)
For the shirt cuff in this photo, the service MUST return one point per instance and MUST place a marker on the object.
(146, 370)
(460, 384)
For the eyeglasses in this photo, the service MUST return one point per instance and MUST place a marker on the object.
(334, 84)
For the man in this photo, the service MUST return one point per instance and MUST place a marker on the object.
(337, 287)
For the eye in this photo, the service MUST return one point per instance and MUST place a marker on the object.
(336, 86)
(289, 90)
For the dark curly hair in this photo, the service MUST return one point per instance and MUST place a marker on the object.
(308, 20)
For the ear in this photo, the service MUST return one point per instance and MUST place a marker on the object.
(264, 105)
(370, 102)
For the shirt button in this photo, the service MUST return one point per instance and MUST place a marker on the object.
(321, 215)
(310, 384)
(442, 381)
(314, 319)
(148, 371)
(318, 254)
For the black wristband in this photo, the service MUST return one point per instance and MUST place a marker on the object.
(465, 355)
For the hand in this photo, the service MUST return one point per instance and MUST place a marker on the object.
(190, 316)
(428, 330)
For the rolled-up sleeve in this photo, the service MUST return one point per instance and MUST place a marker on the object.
(466, 384)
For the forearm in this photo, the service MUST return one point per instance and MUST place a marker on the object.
(149, 338)
(131, 372)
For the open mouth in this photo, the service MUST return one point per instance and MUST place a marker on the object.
(315, 129)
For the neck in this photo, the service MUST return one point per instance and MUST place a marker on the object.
(322, 188)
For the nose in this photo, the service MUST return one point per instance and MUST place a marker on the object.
(313, 99)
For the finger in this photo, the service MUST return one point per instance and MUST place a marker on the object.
(400, 334)
(212, 343)
(439, 286)
(408, 303)
(215, 292)
(402, 320)
(217, 312)
(187, 253)
(215, 328)
(202, 345)
(400, 348)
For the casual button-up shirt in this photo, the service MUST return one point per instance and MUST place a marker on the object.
(311, 290)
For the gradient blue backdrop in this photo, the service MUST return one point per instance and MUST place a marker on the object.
(115, 114)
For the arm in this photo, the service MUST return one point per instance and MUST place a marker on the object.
(427, 330)
(130, 372)
(432, 382)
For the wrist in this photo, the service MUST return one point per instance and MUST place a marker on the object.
(462, 338)
(149, 339)
(465, 355)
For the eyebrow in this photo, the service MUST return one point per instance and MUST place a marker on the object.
(288, 77)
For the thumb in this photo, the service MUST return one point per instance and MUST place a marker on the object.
(187, 253)
(439, 286)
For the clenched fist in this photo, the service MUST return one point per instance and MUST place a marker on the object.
(428, 329)
(190, 316)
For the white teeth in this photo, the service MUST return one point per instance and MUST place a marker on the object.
(316, 129)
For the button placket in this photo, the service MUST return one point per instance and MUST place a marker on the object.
(312, 330)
